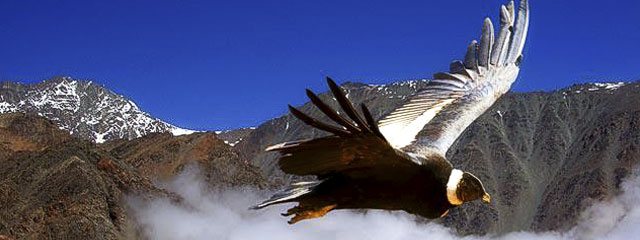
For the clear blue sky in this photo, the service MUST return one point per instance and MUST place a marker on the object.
(227, 64)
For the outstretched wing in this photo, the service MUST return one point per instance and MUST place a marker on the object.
(356, 148)
(454, 99)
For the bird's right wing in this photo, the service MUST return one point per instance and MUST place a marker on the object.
(454, 99)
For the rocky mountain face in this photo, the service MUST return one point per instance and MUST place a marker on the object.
(234, 136)
(161, 156)
(83, 108)
(544, 156)
(57, 186)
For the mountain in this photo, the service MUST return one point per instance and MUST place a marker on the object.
(544, 156)
(83, 108)
(162, 156)
(57, 186)
(234, 136)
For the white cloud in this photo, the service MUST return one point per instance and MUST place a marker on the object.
(224, 215)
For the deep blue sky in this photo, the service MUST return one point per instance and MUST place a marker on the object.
(227, 64)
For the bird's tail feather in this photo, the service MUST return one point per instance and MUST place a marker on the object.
(289, 194)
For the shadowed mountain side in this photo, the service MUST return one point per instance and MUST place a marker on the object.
(54, 186)
(547, 156)
(161, 156)
(543, 156)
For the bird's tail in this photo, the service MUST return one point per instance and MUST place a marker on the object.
(289, 194)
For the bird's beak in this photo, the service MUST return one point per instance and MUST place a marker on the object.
(486, 198)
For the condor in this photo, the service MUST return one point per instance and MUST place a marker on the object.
(366, 164)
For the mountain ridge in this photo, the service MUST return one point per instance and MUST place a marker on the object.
(543, 155)
(83, 108)
(516, 147)
(57, 186)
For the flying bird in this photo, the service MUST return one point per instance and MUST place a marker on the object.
(364, 164)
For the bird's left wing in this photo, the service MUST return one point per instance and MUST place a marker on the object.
(355, 148)
(454, 99)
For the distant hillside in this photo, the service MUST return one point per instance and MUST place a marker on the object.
(544, 156)
(162, 156)
(56, 186)
(233, 137)
(83, 108)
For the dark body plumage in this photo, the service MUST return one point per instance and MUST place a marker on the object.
(421, 192)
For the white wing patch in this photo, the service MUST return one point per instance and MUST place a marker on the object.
(401, 134)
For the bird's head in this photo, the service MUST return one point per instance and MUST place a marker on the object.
(465, 187)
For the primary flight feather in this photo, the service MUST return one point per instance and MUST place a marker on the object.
(366, 164)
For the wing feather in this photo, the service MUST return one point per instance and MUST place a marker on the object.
(502, 43)
(331, 113)
(317, 124)
(345, 104)
(486, 41)
(521, 28)
(354, 146)
(454, 99)
(471, 58)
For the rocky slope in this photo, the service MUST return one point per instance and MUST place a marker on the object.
(161, 156)
(233, 137)
(544, 156)
(56, 186)
(83, 108)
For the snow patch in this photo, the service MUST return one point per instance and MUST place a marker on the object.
(599, 87)
(232, 143)
(609, 86)
(181, 131)
(100, 137)
(6, 107)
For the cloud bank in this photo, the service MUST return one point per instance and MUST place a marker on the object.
(224, 215)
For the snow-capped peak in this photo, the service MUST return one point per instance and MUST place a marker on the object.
(592, 87)
(83, 108)
(609, 86)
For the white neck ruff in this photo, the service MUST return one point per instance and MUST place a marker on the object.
(452, 187)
